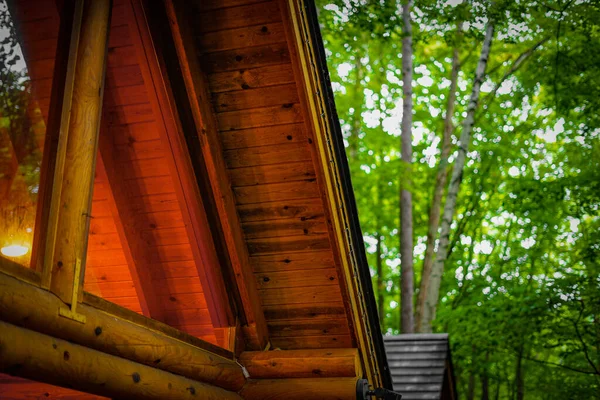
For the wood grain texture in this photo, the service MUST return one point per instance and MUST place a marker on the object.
(238, 16)
(122, 333)
(300, 389)
(313, 342)
(251, 78)
(302, 363)
(257, 175)
(259, 117)
(13, 388)
(292, 262)
(305, 208)
(290, 279)
(305, 311)
(247, 57)
(257, 137)
(307, 226)
(265, 155)
(37, 356)
(255, 98)
(299, 295)
(277, 192)
(247, 36)
(309, 327)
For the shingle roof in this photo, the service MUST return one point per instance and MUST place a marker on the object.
(420, 366)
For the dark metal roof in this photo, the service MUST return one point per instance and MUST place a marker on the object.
(420, 365)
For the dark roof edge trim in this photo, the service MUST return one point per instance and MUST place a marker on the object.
(347, 191)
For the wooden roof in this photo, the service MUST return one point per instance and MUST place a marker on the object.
(421, 366)
(155, 211)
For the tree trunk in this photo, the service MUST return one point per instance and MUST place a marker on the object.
(432, 295)
(380, 286)
(519, 381)
(485, 379)
(471, 387)
(440, 183)
(406, 219)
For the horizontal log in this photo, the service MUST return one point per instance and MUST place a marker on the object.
(44, 358)
(326, 363)
(25, 305)
(301, 389)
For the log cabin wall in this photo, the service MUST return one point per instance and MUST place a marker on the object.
(268, 150)
(139, 253)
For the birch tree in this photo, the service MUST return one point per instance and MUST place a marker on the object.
(432, 294)
(440, 180)
(406, 208)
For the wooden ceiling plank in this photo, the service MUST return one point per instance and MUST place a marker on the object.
(182, 173)
(301, 389)
(255, 328)
(258, 137)
(305, 189)
(229, 39)
(278, 74)
(134, 249)
(288, 244)
(255, 98)
(238, 16)
(275, 173)
(289, 279)
(308, 226)
(292, 262)
(251, 57)
(313, 342)
(305, 208)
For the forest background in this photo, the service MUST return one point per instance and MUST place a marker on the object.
(493, 145)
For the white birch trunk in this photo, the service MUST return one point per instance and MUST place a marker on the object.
(432, 296)
(406, 208)
(440, 183)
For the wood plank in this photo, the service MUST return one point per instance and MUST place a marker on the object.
(139, 150)
(247, 36)
(121, 57)
(194, 316)
(41, 69)
(304, 208)
(259, 175)
(179, 252)
(116, 289)
(287, 244)
(292, 262)
(127, 75)
(198, 330)
(174, 269)
(260, 117)
(305, 311)
(39, 29)
(42, 88)
(119, 36)
(285, 227)
(269, 75)
(106, 241)
(247, 57)
(102, 225)
(313, 342)
(149, 185)
(165, 237)
(39, 49)
(117, 273)
(300, 295)
(289, 279)
(239, 16)
(100, 208)
(255, 98)
(145, 169)
(183, 301)
(301, 389)
(173, 286)
(36, 390)
(34, 10)
(265, 155)
(130, 114)
(154, 204)
(302, 363)
(131, 303)
(105, 258)
(271, 135)
(159, 220)
(131, 133)
(294, 328)
(125, 96)
(204, 5)
(276, 192)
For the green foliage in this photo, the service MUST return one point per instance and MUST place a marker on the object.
(520, 295)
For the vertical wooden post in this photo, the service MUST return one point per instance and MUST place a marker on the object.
(74, 179)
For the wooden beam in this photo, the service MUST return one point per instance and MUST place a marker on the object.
(44, 358)
(74, 181)
(185, 179)
(300, 389)
(33, 308)
(326, 363)
(254, 324)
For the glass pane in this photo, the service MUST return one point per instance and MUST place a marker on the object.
(26, 67)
